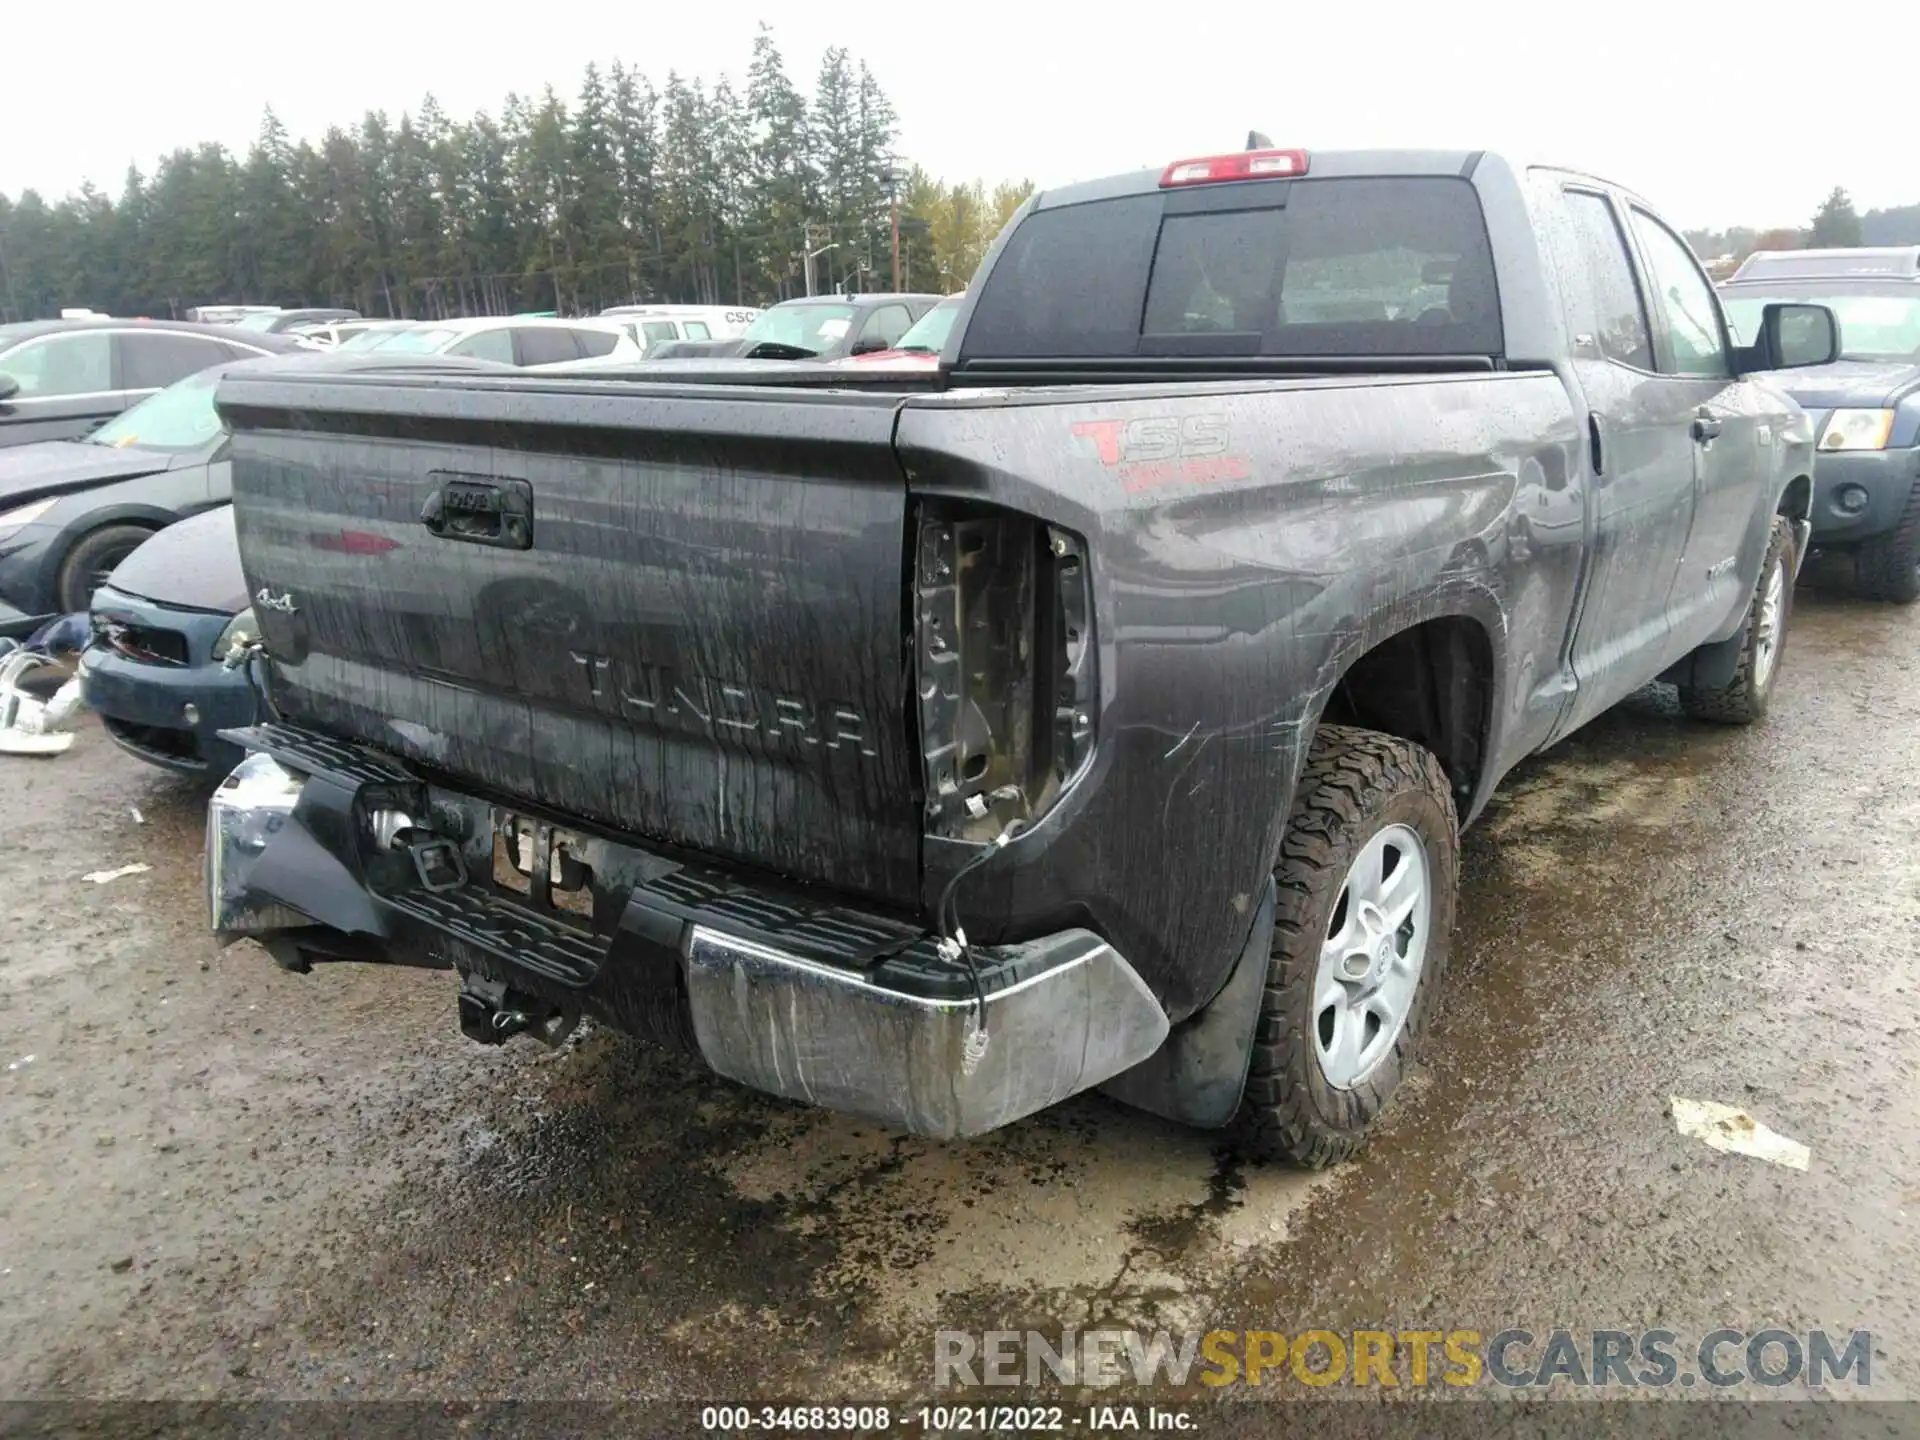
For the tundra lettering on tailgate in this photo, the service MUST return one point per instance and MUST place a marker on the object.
(1158, 450)
(705, 706)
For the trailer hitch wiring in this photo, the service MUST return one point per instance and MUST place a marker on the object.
(954, 945)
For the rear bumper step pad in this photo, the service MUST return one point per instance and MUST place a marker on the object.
(786, 992)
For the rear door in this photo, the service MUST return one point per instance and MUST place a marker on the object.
(66, 387)
(546, 344)
(596, 342)
(1639, 448)
(496, 344)
(882, 330)
(680, 618)
(153, 360)
(1730, 465)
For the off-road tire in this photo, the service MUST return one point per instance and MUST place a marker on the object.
(1742, 700)
(1887, 567)
(1356, 783)
(101, 549)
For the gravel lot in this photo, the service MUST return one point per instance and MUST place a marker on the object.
(226, 1182)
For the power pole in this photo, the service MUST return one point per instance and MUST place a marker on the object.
(808, 250)
(894, 178)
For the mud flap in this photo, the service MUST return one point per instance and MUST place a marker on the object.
(1196, 1077)
(1711, 667)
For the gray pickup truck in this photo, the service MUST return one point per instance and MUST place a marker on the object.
(1098, 710)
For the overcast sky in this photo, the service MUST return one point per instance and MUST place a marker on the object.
(1705, 109)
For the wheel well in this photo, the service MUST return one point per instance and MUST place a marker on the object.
(1796, 501)
(136, 521)
(1431, 684)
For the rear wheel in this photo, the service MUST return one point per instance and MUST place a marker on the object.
(92, 559)
(1743, 700)
(1365, 895)
(1887, 567)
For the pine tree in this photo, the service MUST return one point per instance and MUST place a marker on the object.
(635, 152)
(731, 156)
(834, 138)
(10, 308)
(920, 202)
(783, 207)
(132, 294)
(875, 127)
(594, 199)
(959, 225)
(1835, 223)
(619, 193)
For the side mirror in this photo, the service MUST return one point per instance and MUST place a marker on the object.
(1793, 336)
(9, 387)
(869, 345)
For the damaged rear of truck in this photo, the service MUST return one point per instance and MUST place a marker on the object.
(1100, 711)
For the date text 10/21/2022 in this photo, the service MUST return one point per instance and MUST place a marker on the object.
(944, 1419)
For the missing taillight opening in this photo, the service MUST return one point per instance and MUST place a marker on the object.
(1004, 666)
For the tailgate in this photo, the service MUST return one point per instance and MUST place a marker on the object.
(674, 612)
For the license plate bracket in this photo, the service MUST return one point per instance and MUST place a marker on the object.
(543, 866)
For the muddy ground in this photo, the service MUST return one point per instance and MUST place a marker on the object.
(218, 1180)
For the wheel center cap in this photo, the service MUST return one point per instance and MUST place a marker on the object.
(1383, 957)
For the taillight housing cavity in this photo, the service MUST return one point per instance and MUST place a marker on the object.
(1004, 665)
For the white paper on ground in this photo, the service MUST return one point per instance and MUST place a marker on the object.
(1735, 1132)
(101, 877)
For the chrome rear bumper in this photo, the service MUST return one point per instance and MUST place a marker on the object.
(894, 1037)
(812, 1032)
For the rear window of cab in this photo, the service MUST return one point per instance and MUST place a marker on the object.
(1329, 267)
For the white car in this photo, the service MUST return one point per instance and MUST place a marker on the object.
(522, 340)
(652, 325)
(331, 334)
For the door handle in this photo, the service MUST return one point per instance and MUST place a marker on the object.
(1705, 427)
(480, 510)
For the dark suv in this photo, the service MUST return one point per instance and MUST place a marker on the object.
(1865, 406)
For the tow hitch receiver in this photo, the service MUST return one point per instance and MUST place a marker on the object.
(493, 1012)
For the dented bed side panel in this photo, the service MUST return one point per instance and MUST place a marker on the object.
(1248, 543)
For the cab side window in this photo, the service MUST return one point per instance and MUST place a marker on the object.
(487, 345)
(548, 345)
(885, 327)
(60, 365)
(1618, 317)
(155, 360)
(698, 331)
(1683, 301)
